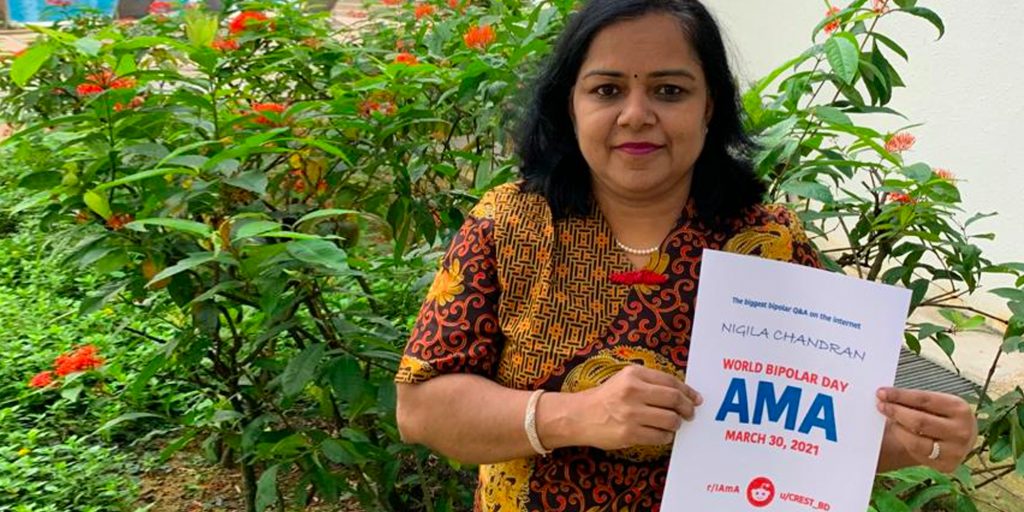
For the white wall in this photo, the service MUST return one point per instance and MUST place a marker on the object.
(967, 87)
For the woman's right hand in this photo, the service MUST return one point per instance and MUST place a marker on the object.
(638, 406)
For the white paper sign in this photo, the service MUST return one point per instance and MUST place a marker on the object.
(788, 360)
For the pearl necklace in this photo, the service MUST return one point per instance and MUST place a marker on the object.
(638, 252)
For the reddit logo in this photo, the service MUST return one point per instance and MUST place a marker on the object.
(760, 492)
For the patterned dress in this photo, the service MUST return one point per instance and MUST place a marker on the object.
(528, 303)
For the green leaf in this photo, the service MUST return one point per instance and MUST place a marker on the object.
(1013, 344)
(319, 252)
(255, 228)
(152, 173)
(1013, 294)
(194, 260)
(301, 369)
(843, 56)
(266, 488)
(88, 46)
(833, 115)
(42, 180)
(97, 203)
(920, 173)
(809, 189)
(126, 417)
(254, 181)
(188, 226)
(946, 343)
(346, 378)
(28, 64)
(319, 214)
(928, 14)
(927, 330)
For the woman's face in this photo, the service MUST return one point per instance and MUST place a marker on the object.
(640, 106)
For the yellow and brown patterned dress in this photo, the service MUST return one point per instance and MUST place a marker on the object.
(528, 302)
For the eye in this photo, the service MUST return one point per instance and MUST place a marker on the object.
(669, 91)
(606, 90)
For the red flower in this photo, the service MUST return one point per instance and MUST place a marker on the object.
(642, 277)
(453, 3)
(900, 142)
(99, 82)
(391, 3)
(223, 45)
(423, 10)
(407, 59)
(880, 6)
(88, 89)
(82, 217)
(356, 14)
(900, 197)
(118, 220)
(249, 19)
(159, 7)
(368, 107)
(82, 359)
(41, 380)
(479, 37)
(136, 102)
(261, 108)
(321, 186)
(945, 174)
(59, 3)
(833, 25)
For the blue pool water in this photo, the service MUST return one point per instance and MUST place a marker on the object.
(21, 11)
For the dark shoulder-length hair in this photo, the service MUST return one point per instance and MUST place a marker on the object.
(551, 163)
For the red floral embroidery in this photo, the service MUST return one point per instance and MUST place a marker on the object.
(642, 276)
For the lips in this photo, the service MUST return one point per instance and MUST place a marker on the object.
(638, 148)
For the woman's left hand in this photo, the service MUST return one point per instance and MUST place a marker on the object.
(937, 430)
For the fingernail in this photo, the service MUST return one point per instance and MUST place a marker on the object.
(881, 407)
(700, 399)
(882, 394)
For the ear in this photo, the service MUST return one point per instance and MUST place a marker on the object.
(709, 110)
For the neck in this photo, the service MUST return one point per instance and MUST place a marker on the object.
(643, 220)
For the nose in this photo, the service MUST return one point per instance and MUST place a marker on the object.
(636, 111)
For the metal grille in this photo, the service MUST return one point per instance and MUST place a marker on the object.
(916, 372)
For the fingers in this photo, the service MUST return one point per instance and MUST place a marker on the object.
(919, 422)
(660, 378)
(920, 419)
(671, 399)
(660, 419)
(939, 404)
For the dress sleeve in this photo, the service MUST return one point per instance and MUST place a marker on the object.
(457, 329)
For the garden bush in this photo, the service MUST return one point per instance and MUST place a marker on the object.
(271, 195)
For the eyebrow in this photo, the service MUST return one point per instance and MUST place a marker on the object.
(654, 74)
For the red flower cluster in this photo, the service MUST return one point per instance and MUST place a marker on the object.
(368, 107)
(99, 82)
(642, 277)
(880, 6)
(160, 8)
(59, 3)
(423, 9)
(391, 3)
(479, 37)
(900, 142)
(262, 108)
(136, 102)
(833, 25)
(82, 359)
(407, 59)
(246, 20)
(224, 45)
(900, 197)
(118, 220)
(945, 174)
(41, 380)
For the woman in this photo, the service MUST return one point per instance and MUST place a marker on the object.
(552, 346)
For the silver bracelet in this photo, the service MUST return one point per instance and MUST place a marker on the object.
(530, 423)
